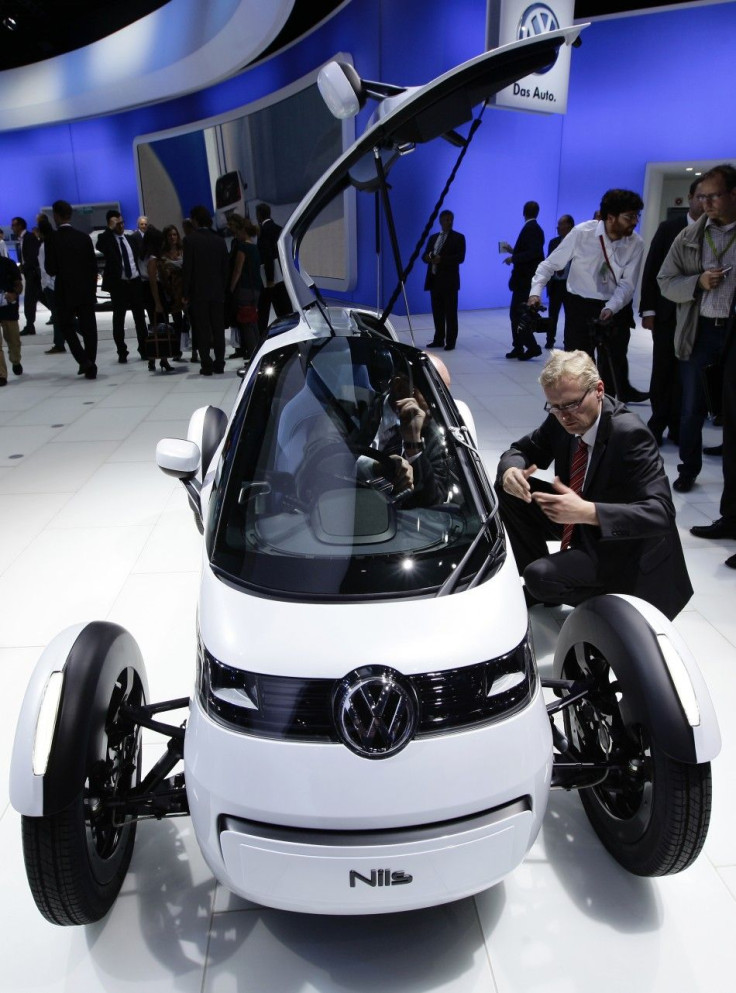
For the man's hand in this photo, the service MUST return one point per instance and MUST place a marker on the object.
(535, 303)
(711, 278)
(516, 482)
(606, 314)
(411, 419)
(404, 477)
(565, 506)
(648, 322)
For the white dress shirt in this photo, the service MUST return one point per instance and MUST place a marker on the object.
(590, 275)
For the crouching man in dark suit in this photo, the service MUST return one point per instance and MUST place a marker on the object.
(610, 504)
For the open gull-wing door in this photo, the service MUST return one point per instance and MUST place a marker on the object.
(408, 117)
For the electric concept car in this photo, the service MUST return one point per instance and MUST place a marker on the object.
(368, 731)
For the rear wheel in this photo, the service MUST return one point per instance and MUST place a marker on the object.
(651, 811)
(76, 859)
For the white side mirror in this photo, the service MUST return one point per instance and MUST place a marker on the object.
(177, 457)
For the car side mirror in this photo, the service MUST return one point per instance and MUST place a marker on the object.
(207, 427)
(182, 459)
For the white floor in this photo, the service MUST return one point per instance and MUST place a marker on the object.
(89, 528)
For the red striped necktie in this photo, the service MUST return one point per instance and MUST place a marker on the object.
(577, 476)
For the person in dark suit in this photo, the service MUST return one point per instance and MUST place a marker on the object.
(525, 256)
(444, 254)
(28, 246)
(659, 315)
(557, 286)
(610, 502)
(274, 291)
(205, 275)
(70, 257)
(121, 279)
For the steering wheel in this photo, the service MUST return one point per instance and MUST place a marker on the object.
(310, 477)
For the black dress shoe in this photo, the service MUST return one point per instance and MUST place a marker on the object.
(205, 372)
(515, 353)
(17, 369)
(91, 371)
(123, 359)
(218, 368)
(449, 348)
(530, 353)
(56, 350)
(724, 527)
(683, 483)
(731, 562)
(436, 344)
(713, 450)
(27, 330)
(3, 381)
(631, 395)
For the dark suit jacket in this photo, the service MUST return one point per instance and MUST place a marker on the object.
(29, 247)
(637, 548)
(70, 256)
(452, 255)
(107, 244)
(651, 298)
(268, 246)
(206, 267)
(527, 254)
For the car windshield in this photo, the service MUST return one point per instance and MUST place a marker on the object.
(345, 475)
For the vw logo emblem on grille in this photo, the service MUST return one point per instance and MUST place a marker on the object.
(537, 19)
(375, 711)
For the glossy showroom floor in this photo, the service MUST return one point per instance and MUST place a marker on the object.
(90, 528)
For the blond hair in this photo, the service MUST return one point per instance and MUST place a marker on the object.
(577, 365)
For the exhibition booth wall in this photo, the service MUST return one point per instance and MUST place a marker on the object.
(644, 88)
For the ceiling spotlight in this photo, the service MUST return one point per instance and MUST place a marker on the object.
(9, 23)
(688, 168)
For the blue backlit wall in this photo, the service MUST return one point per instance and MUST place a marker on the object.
(634, 98)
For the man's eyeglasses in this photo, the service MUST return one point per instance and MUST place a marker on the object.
(706, 197)
(567, 408)
(631, 217)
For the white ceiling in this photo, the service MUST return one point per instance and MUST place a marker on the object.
(180, 48)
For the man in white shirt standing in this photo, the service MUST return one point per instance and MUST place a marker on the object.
(605, 257)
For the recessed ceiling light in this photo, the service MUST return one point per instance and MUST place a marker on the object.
(688, 168)
(698, 174)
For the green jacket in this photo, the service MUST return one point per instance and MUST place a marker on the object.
(678, 281)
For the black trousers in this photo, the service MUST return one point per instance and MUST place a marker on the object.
(664, 387)
(610, 357)
(568, 577)
(277, 296)
(444, 315)
(126, 296)
(556, 292)
(728, 497)
(75, 320)
(208, 332)
(32, 294)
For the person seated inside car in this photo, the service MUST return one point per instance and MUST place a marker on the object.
(409, 435)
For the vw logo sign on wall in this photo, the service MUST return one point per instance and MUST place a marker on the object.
(375, 710)
(537, 19)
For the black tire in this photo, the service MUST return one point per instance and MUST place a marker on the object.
(652, 815)
(76, 860)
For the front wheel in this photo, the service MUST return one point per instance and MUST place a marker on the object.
(76, 859)
(651, 811)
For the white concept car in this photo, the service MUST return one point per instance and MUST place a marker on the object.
(368, 731)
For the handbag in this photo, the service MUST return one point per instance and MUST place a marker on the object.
(712, 378)
(247, 313)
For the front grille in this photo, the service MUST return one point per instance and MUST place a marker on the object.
(290, 708)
